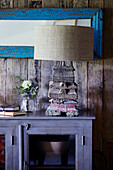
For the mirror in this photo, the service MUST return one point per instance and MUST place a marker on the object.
(21, 32)
(17, 28)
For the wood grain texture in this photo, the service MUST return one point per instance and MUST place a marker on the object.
(95, 90)
(10, 68)
(46, 76)
(108, 101)
(21, 3)
(16, 72)
(15, 68)
(95, 3)
(65, 3)
(24, 69)
(9, 82)
(108, 152)
(38, 67)
(31, 69)
(108, 29)
(23, 72)
(81, 80)
(3, 71)
(32, 76)
(57, 3)
(5, 3)
(15, 3)
(11, 3)
(80, 3)
(35, 3)
(50, 4)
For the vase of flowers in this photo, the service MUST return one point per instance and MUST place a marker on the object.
(28, 91)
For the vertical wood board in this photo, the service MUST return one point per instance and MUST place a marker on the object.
(80, 3)
(108, 152)
(31, 69)
(9, 82)
(11, 3)
(95, 3)
(108, 101)
(15, 3)
(95, 90)
(39, 100)
(24, 69)
(21, 3)
(3, 71)
(5, 3)
(16, 72)
(35, 3)
(66, 3)
(37, 65)
(14, 69)
(57, 3)
(32, 76)
(50, 4)
(108, 29)
(81, 80)
(46, 77)
(23, 72)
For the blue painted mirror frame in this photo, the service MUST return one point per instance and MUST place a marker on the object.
(94, 14)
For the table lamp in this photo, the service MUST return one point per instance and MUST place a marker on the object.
(63, 43)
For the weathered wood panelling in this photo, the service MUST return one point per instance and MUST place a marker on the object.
(46, 76)
(5, 3)
(50, 4)
(15, 72)
(65, 3)
(3, 68)
(15, 3)
(108, 101)
(35, 3)
(11, 68)
(95, 89)
(96, 3)
(94, 79)
(80, 3)
(107, 117)
(108, 29)
(21, 3)
(81, 80)
(9, 82)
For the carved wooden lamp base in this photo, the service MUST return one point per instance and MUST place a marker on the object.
(63, 91)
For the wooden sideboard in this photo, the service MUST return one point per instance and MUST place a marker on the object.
(17, 131)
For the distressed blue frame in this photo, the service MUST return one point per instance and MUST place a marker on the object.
(94, 14)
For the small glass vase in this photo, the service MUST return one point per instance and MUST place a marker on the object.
(28, 103)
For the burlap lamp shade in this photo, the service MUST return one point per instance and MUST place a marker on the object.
(62, 43)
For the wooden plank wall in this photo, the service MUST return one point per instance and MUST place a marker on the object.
(94, 79)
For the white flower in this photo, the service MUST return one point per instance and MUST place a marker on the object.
(26, 84)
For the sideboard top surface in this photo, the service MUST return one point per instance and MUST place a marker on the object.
(40, 115)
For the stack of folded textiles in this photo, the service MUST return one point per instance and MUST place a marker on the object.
(10, 110)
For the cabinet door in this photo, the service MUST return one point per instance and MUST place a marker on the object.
(7, 135)
(26, 132)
